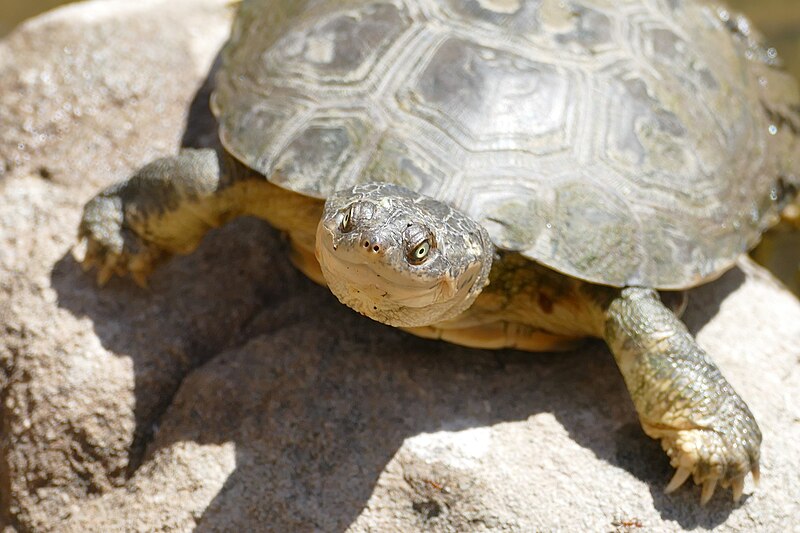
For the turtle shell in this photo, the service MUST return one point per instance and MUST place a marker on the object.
(645, 142)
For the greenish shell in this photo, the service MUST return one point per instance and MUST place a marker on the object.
(645, 142)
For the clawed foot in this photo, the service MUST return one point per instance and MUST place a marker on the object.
(712, 458)
(110, 246)
(681, 396)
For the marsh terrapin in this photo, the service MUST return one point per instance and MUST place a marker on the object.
(498, 173)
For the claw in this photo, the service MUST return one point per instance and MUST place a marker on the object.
(681, 475)
(104, 274)
(140, 278)
(708, 490)
(756, 474)
(91, 255)
(738, 488)
(80, 250)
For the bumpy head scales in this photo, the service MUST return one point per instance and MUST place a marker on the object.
(400, 257)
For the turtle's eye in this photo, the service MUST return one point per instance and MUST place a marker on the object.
(346, 224)
(419, 243)
(355, 215)
(420, 252)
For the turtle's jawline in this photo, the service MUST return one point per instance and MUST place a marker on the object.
(375, 286)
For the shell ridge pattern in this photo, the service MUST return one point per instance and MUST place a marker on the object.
(615, 142)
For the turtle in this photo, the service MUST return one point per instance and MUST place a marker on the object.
(515, 174)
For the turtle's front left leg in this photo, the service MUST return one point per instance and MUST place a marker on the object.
(164, 208)
(681, 397)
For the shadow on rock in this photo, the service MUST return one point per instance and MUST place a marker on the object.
(194, 309)
(319, 407)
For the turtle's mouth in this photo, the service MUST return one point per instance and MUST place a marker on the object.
(378, 284)
(374, 287)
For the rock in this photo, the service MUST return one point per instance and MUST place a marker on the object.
(235, 395)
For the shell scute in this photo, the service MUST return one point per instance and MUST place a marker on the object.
(627, 142)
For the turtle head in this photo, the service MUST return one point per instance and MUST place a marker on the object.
(400, 257)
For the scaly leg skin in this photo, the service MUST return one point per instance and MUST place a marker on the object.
(165, 208)
(681, 397)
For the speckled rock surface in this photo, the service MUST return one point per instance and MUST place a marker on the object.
(235, 395)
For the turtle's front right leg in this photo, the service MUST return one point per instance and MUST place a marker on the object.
(165, 208)
(681, 397)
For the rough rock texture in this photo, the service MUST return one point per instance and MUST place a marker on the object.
(235, 395)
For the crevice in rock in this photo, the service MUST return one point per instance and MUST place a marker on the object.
(146, 429)
(44, 173)
(198, 356)
(427, 509)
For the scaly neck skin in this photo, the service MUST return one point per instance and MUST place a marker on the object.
(524, 293)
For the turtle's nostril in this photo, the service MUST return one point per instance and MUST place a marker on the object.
(371, 245)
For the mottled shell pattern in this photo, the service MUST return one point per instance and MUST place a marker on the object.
(645, 142)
